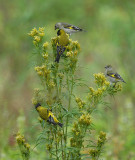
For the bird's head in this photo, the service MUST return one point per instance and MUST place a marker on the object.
(37, 105)
(61, 32)
(108, 67)
(57, 26)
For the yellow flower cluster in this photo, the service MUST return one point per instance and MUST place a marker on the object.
(60, 133)
(34, 101)
(43, 71)
(80, 103)
(51, 84)
(19, 138)
(54, 41)
(117, 87)
(100, 80)
(45, 45)
(101, 139)
(37, 35)
(96, 94)
(61, 75)
(76, 129)
(49, 147)
(76, 142)
(21, 141)
(85, 119)
(71, 53)
(93, 152)
(74, 45)
(45, 55)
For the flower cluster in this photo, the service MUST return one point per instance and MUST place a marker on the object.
(43, 71)
(76, 130)
(93, 152)
(95, 95)
(85, 120)
(112, 90)
(101, 80)
(80, 103)
(73, 45)
(101, 139)
(37, 35)
(24, 147)
(49, 147)
(97, 150)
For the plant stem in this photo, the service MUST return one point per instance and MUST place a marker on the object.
(69, 104)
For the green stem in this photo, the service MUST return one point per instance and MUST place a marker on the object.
(69, 105)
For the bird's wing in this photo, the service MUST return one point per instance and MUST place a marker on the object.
(70, 26)
(51, 120)
(115, 75)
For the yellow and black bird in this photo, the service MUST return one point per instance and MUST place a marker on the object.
(112, 76)
(68, 28)
(63, 41)
(47, 115)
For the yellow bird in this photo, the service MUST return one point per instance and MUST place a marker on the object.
(47, 115)
(63, 41)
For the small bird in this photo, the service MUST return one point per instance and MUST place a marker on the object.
(113, 77)
(63, 41)
(68, 28)
(47, 115)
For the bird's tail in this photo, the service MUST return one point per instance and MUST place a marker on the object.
(123, 81)
(82, 30)
(60, 124)
(60, 51)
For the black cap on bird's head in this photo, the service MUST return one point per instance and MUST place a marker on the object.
(37, 105)
(59, 32)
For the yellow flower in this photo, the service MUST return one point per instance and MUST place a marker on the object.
(27, 146)
(85, 119)
(40, 73)
(37, 38)
(69, 54)
(48, 147)
(45, 56)
(45, 45)
(41, 29)
(33, 32)
(51, 84)
(41, 34)
(34, 101)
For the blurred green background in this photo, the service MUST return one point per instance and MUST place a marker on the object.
(109, 39)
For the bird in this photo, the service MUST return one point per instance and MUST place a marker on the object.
(68, 28)
(63, 41)
(112, 76)
(47, 115)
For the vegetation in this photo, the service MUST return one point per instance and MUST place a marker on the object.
(109, 40)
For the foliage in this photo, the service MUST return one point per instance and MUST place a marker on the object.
(58, 81)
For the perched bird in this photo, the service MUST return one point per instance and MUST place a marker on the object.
(63, 41)
(68, 28)
(47, 115)
(113, 77)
